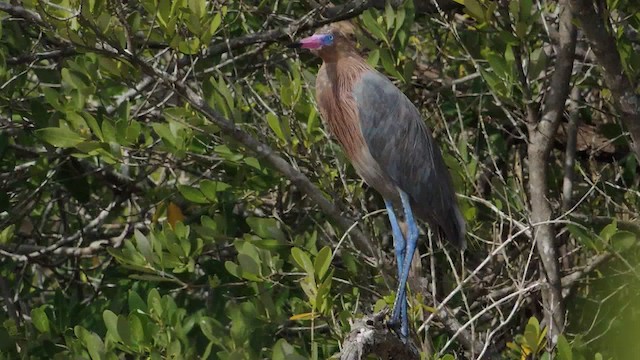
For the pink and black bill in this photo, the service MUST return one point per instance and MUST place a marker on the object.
(313, 42)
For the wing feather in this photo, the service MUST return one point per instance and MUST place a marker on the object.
(401, 143)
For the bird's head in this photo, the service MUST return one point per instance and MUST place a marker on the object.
(316, 41)
(328, 39)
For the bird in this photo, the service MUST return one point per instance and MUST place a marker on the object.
(389, 145)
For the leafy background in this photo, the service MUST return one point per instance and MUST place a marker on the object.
(169, 190)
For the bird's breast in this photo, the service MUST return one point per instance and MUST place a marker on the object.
(339, 112)
(340, 115)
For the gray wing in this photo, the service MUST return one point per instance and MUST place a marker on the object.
(401, 143)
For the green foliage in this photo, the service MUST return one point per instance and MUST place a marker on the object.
(136, 224)
(531, 345)
(390, 32)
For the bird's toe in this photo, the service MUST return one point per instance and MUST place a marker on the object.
(394, 325)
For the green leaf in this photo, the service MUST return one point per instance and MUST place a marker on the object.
(108, 131)
(215, 23)
(522, 29)
(213, 186)
(323, 300)
(308, 285)
(389, 16)
(136, 303)
(92, 123)
(498, 64)
(274, 124)
(164, 132)
(266, 228)
(133, 131)
(59, 137)
(401, 14)
(136, 328)
(40, 319)
(92, 341)
(211, 328)
(322, 262)
(53, 98)
(210, 189)
(226, 102)
(582, 235)
(198, 7)
(389, 64)
(174, 350)
(525, 9)
(123, 330)
(514, 10)
(111, 322)
(302, 260)
(607, 232)
(75, 79)
(76, 121)
(270, 244)
(143, 245)
(11, 328)
(537, 63)
(282, 350)
(192, 194)
(372, 26)
(473, 8)
(233, 269)
(153, 302)
(374, 57)
(532, 333)
(7, 234)
(623, 240)
(564, 349)
(189, 46)
(250, 268)
(494, 82)
(164, 11)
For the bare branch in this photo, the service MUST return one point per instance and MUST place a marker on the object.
(570, 151)
(69, 239)
(570, 280)
(73, 251)
(560, 81)
(458, 330)
(53, 54)
(20, 12)
(333, 14)
(370, 335)
(541, 135)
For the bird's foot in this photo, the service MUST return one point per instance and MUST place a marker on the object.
(395, 325)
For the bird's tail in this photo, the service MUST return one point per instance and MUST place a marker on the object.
(454, 228)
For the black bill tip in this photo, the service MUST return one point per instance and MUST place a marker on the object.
(295, 45)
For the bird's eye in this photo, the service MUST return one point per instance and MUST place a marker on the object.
(330, 37)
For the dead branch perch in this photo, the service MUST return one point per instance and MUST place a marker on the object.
(370, 335)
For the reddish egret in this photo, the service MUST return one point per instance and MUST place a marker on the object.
(389, 145)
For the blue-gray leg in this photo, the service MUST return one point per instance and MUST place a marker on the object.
(399, 244)
(411, 243)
